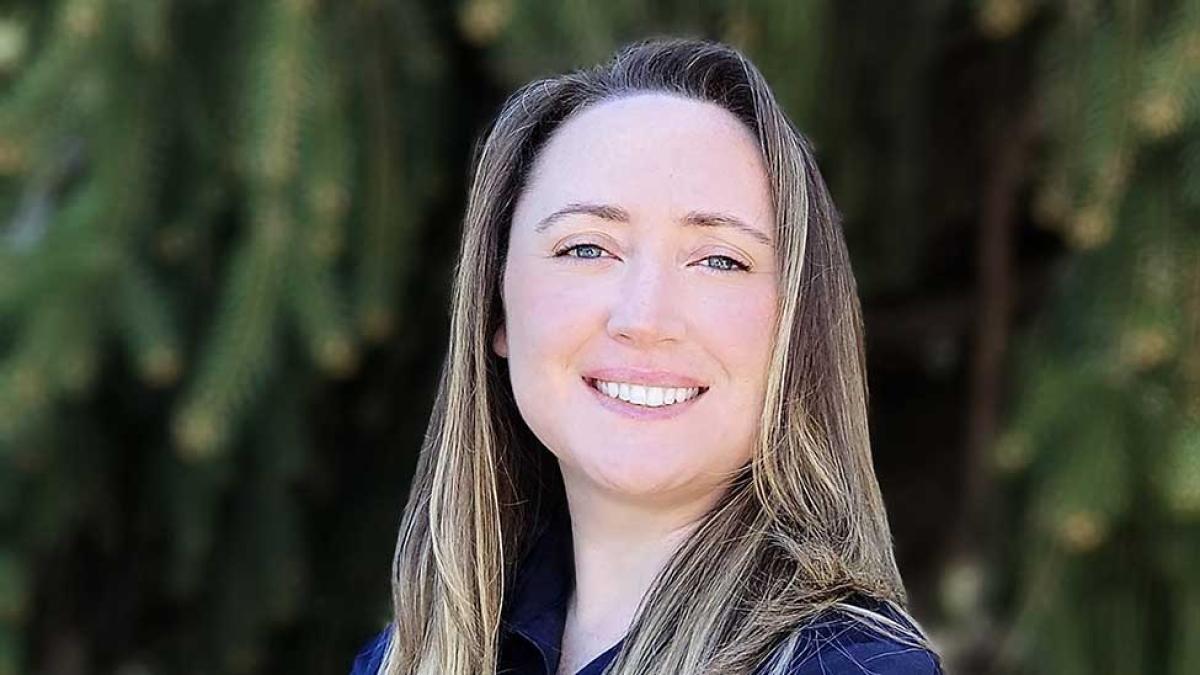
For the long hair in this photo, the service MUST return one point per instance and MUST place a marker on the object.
(799, 530)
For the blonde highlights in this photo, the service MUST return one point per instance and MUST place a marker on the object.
(799, 530)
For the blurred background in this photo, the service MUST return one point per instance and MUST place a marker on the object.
(227, 239)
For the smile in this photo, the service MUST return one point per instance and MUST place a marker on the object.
(646, 396)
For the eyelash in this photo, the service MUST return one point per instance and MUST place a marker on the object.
(743, 266)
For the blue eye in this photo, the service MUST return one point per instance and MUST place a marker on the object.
(594, 252)
(578, 247)
(729, 264)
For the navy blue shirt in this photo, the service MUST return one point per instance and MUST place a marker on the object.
(532, 628)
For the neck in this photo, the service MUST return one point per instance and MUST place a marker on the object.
(620, 545)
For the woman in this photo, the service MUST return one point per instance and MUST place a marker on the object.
(648, 451)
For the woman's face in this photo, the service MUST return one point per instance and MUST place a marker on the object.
(641, 262)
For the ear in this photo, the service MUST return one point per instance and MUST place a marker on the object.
(500, 342)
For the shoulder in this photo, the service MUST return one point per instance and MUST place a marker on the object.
(836, 643)
(370, 657)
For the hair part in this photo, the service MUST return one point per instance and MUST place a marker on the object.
(798, 531)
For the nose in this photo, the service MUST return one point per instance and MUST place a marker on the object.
(647, 309)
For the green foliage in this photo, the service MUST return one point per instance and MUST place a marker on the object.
(216, 210)
(1106, 421)
(179, 179)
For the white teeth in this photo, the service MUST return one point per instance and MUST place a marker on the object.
(651, 397)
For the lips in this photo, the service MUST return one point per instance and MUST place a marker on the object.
(645, 376)
(634, 411)
(639, 394)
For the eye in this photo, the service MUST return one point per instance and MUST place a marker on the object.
(727, 264)
(583, 251)
(594, 252)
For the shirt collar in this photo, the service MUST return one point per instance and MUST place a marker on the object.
(542, 588)
(536, 610)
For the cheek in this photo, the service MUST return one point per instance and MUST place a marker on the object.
(739, 326)
(547, 316)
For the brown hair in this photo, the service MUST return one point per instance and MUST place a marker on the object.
(799, 530)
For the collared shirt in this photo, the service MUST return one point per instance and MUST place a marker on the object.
(532, 628)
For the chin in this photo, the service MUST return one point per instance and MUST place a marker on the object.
(651, 485)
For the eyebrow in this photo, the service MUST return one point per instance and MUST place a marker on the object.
(620, 215)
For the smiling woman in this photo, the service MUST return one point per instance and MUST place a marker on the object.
(660, 303)
(649, 451)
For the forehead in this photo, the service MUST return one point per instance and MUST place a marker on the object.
(654, 153)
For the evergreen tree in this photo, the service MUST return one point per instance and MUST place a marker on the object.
(188, 201)
(1104, 441)
(215, 366)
